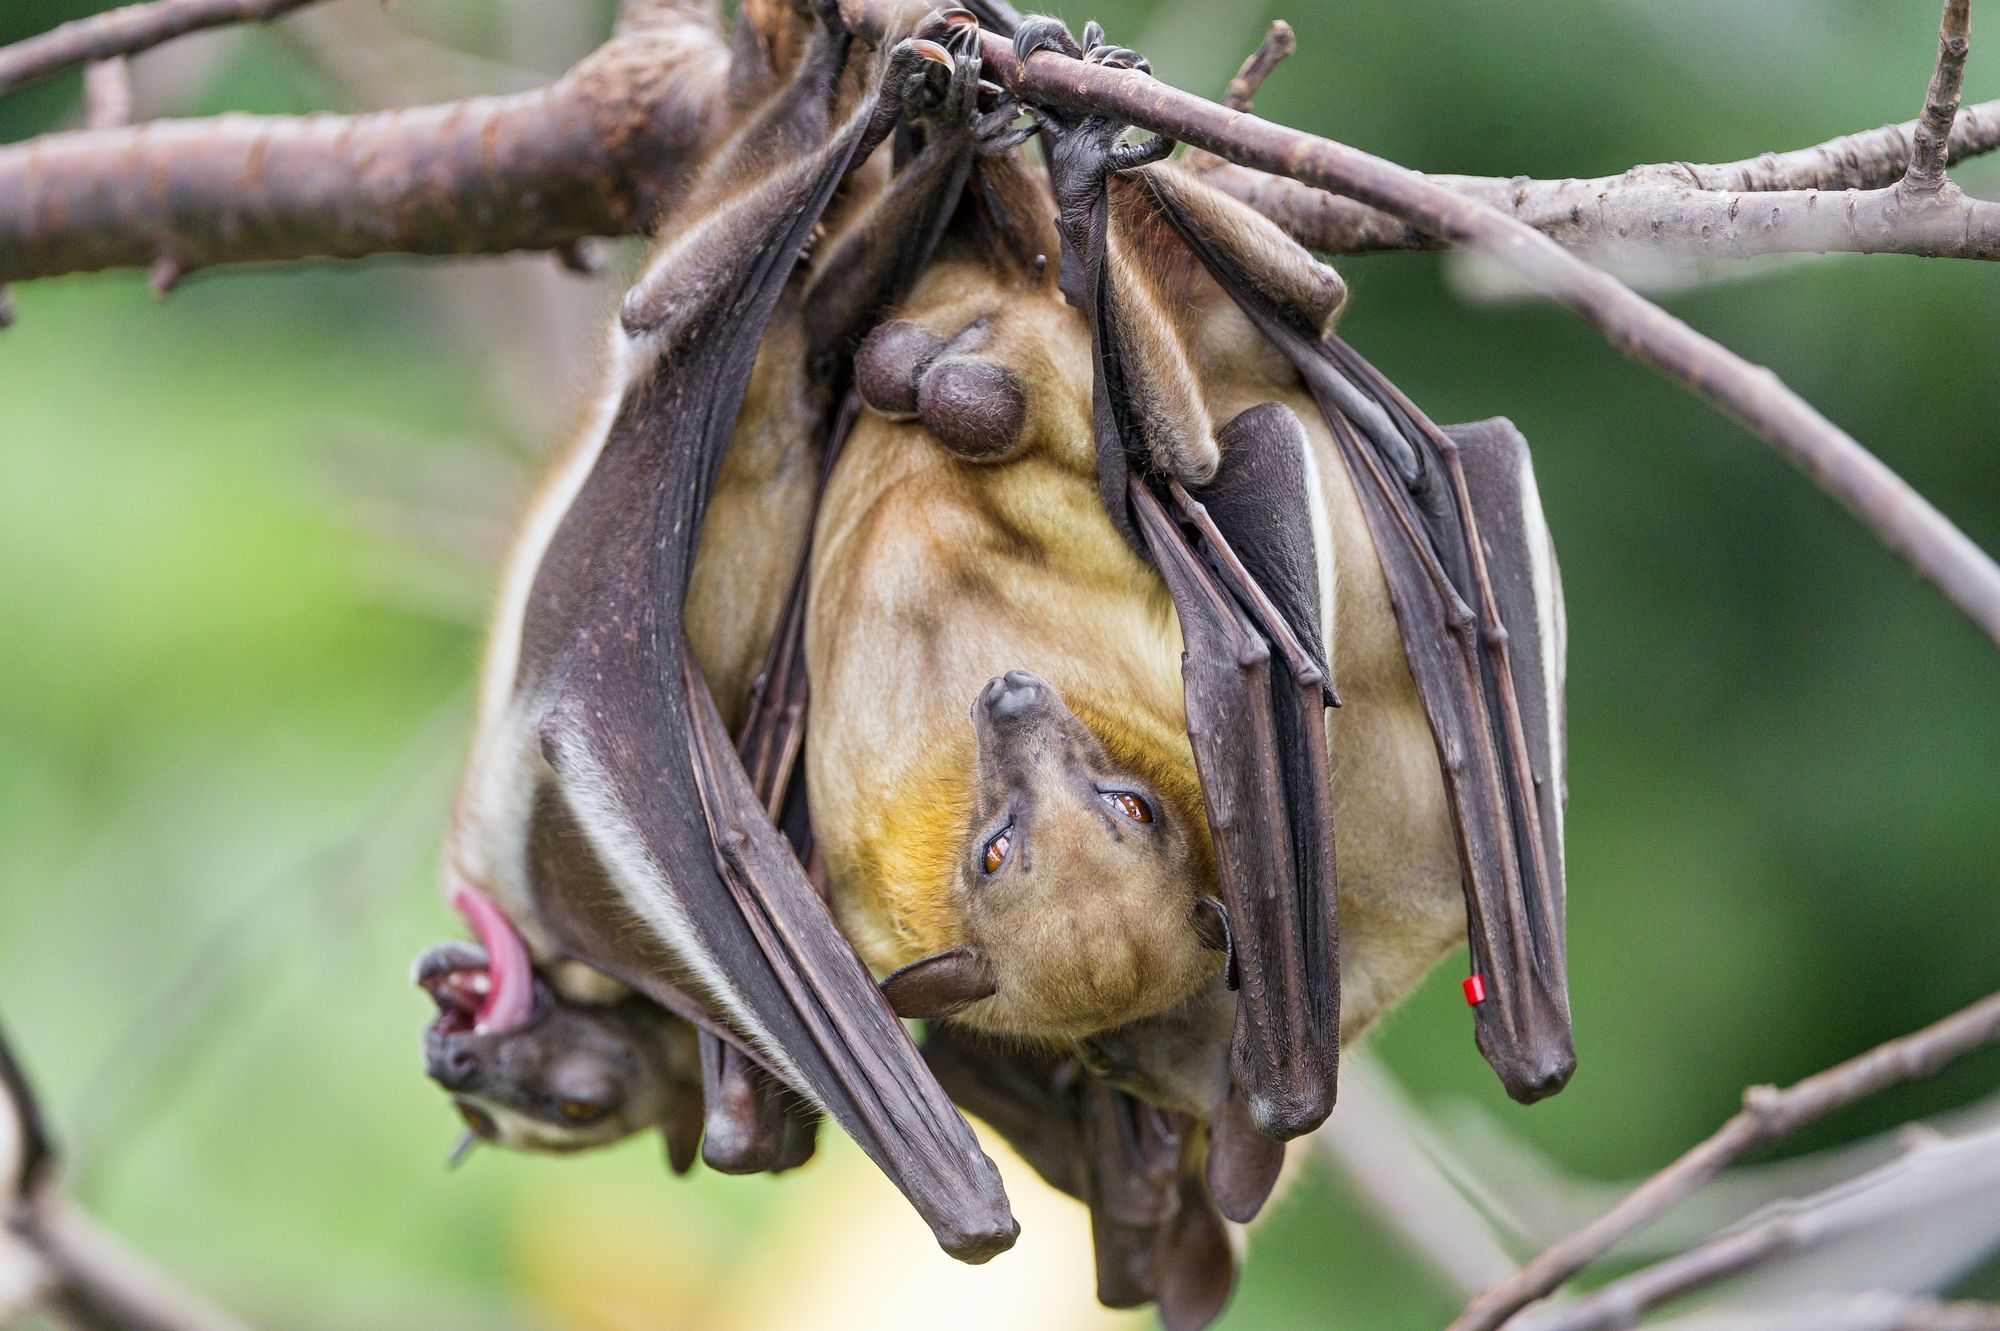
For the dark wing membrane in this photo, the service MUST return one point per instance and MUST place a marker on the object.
(1259, 741)
(1440, 565)
(1459, 639)
(1255, 719)
(1131, 1155)
(644, 764)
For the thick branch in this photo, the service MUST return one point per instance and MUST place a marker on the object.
(1768, 1115)
(1666, 202)
(126, 31)
(1927, 151)
(596, 152)
(1900, 517)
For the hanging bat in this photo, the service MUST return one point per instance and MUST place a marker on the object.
(607, 813)
(1457, 528)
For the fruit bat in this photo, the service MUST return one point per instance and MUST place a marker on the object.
(607, 814)
(1458, 531)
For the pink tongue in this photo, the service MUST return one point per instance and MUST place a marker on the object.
(510, 995)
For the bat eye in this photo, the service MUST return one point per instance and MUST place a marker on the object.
(481, 1122)
(1132, 806)
(580, 1111)
(996, 850)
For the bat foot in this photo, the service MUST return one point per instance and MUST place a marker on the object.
(1040, 32)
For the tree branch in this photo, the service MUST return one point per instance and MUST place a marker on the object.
(1768, 1114)
(608, 141)
(53, 1255)
(1900, 517)
(107, 93)
(598, 151)
(1933, 1175)
(126, 31)
(1927, 148)
(1666, 203)
(1873, 1310)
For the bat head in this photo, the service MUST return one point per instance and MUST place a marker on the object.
(1079, 878)
(566, 1075)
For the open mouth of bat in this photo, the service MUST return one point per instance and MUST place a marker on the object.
(488, 986)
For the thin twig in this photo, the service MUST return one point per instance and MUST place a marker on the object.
(1668, 203)
(1279, 42)
(1873, 1310)
(1768, 1114)
(1936, 1175)
(31, 1155)
(1900, 517)
(107, 93)
(126, 31)
(1927, 147)
(54, 1254)
(1374, 1147)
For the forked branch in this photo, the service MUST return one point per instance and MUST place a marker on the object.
(1768, 1115)
(1900, 517)
(1927, 149)
(1673, 207)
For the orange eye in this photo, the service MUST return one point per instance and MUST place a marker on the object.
(579, 1111)
(1130, 805)
(996, 851)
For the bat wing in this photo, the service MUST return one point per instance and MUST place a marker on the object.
(640, 758)
(1465, 553)
(1256, 694)
(1240, 565)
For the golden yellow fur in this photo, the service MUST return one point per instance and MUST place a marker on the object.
(932, 574)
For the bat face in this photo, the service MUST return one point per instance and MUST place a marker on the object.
(1080, 878)
(570, 1077)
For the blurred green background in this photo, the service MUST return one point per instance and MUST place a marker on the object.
(247, 534)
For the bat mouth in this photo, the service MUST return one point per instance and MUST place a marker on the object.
(459, 980)
(488, 987)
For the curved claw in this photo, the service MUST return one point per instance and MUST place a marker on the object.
(1117, 57)
(1137, 155)
(1042, 33)
(926, 49)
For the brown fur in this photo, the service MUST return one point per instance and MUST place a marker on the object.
(932, 575)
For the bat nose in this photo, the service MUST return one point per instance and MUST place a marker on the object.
(452, 1065)
(1011, 695)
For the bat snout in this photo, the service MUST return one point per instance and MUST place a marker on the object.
(451, 1062)
(1013, 698)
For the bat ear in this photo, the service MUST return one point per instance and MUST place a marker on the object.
(1211, 926)
(940, 984)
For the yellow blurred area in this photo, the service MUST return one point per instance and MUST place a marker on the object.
(844, 1251)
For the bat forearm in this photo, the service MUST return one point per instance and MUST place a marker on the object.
(876, 258)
